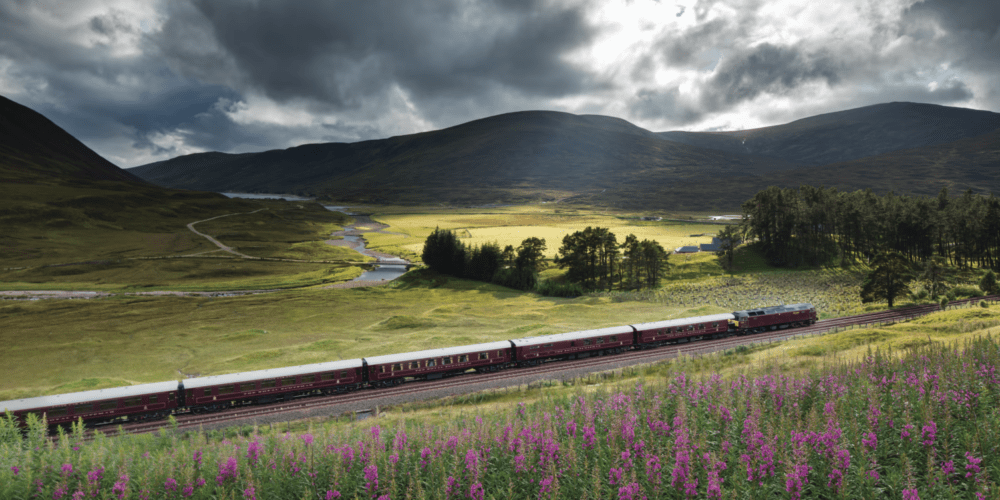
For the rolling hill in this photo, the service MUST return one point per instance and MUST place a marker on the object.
(501, 157)
(545, 155)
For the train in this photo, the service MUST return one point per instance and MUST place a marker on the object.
(197, 395)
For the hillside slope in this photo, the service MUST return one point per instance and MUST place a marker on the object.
(35, 150)
(500, 156)
(850, 134)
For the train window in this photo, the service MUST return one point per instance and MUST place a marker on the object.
(446, 361)
(614, 338)
(56, 412)
(484, 355)
(171, 396)
(132, 402)
(701, 326)
(414, 365)
(83, 408)
(288, 381)
(208, 391)
(329, 376)
(547, 345)
(600, 341)
(397, 367)
(796, 312)
(463, 358)
(715, 325)
(532, 348)
(108, 405)
(586, 341)
(343, 374)
(227, 389)
(499, 354)
(153, 398)
(267, 384)
(431, 363)
(249, 386)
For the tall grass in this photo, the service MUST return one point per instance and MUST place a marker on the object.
(922, 423)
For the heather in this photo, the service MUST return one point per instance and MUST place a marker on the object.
(923, 423)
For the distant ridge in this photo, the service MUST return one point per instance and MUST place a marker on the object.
(850, 134)
(532, 156)
(35, 150)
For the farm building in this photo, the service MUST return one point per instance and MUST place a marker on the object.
(686, 249)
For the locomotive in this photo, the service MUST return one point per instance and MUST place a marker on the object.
(157, 400)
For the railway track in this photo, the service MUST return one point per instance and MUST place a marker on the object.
(365, 400)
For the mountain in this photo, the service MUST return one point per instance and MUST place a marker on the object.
(545, 155)
(35, 150)
(851, 134)
(503, 156)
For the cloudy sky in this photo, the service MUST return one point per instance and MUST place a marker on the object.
(146, 80)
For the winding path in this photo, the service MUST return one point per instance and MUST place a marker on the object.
(217, 242)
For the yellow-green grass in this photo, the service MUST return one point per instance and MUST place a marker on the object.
(49, 344)
(224, 272)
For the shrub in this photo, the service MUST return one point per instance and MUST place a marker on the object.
(965, 291)
(989, 283)
(553, 289)
(944, 302)
(983, 304)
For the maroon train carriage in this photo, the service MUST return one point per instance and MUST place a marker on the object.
(218, 392)
(775, 317)
(683, 330)
(393, 369)
(530, 351)
(102, 406)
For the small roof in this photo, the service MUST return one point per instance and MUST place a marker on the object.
(437, 353)
(683, 321)
(87, 396)
(777, 309)
(561, 337)
(686, 249)
(287, 371)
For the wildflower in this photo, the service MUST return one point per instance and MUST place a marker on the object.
(331, 494)
(399, 442)
(972, 466)
(911, 494)
(121, 486)
(449, 486)
(371, 477)
(714, 488)
(59, 492)
(948, 467)
(870, 441)
(930, 433)
(200, 482)
(384, 497)
(67, 469)
(254, 450)
(797, 479)
(589, 437)
(476, 491)
(425, 455)
(197, 458)
(94, 476)
(170, 484)
(614, 476)
(873, 474)
(629, 492)
(471, 461)
(394, 458)
(307, 439)
(227, 470)
(15, 469)
(187, 491)
(78, 495)
(546, 486)
(905, 433)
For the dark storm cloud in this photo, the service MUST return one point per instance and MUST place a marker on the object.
(663, 103)
(342, 53)
(744, 74)
(973, 28)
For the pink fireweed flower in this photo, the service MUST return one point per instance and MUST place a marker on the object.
(972, 466)
(545, 486)
(449, 486)
(197, 458)
(929, 433)
(394, 458)
(79, 495)
(307, 439)
(331, 494)
(471, 461)
(67, 469)
(200, 482)
(571, 428)
(254, 450)
(399, 442)
(250, 493)
(905, 433)
(614, 476)
(170, 484)
(95, 476)
(589, 437)
(796, 480)
(870, 441)
(476, 491)
(187, 491)
(425, 455)
(371, 478)
(630, 492)
(59, 492)
(15, 469)
(121, 486)
(227, 470)
(911, 494)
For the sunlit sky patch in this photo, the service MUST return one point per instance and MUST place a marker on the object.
(142, 81)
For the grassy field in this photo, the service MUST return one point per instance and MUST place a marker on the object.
(152, 254)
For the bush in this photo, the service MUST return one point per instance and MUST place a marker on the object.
(989, 284)
(944, 303)
(518, 279)
(552, 289)
(965, 291)
(983, 304)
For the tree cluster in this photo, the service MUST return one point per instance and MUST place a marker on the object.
(514, 268)
(811, 226)
(595, 260)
